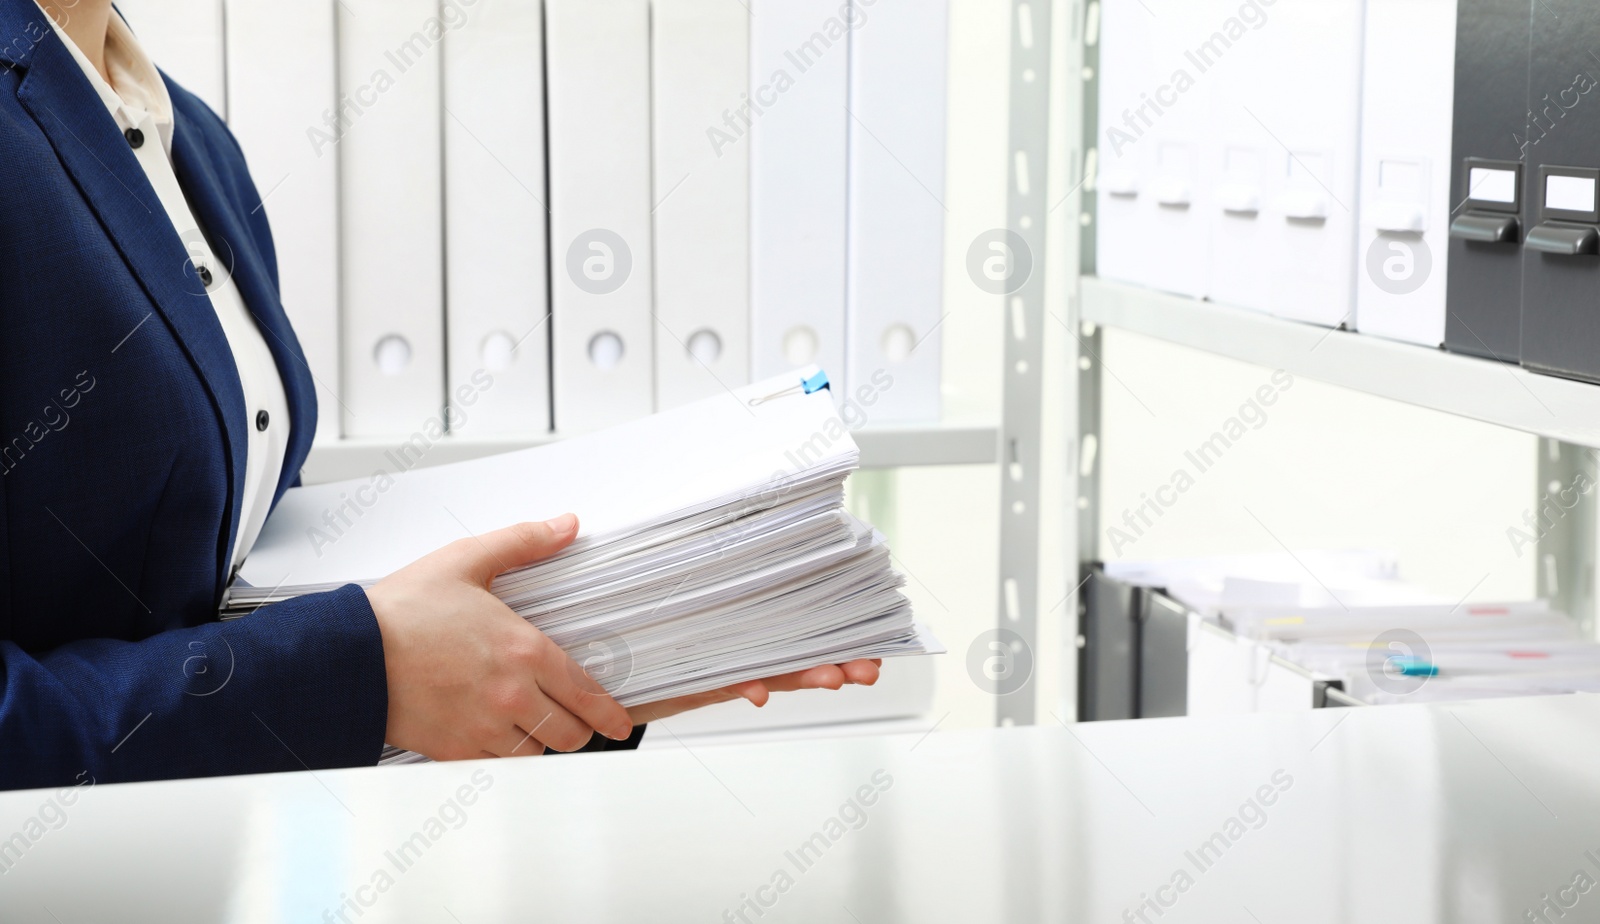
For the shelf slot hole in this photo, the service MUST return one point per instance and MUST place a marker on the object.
(1086, 456)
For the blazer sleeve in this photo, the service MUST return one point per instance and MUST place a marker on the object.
(298, 685)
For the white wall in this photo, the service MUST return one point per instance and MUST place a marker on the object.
(1328, 468)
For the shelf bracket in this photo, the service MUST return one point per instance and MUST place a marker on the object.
(1564, 518)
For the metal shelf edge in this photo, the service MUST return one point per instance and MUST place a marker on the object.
(1496, 393)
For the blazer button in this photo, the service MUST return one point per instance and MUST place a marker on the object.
(262, 419)
(135, 138)
(205, 276)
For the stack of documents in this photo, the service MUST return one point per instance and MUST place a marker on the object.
(1450, 651)
(713, 546)
(1348, 616)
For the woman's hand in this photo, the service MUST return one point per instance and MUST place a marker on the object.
(467, 676)
(827, 677)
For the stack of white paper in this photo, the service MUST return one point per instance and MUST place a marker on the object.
(1449, 652)
(713, 544)
(1347, 616)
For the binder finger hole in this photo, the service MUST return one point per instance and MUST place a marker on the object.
(497, 351)
(800, 346)
(605, 350)
(898, 342)
(392, 354)
(705, 346)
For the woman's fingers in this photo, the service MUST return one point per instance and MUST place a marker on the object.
(862, 672)
(753, 690)
(564, 682)
(517, 742)
(555, 726)
(825, 677)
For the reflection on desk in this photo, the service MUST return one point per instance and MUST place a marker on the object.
(1483, 811)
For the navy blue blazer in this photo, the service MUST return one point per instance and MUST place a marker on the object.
(122, 440)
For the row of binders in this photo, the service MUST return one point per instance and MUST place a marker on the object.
(1265, 629)
(713, 545)
(564, 214)
(1425, 170)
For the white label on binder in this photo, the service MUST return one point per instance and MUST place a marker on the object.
(498, 367)
(1572, 193)
(1490, 185)
(598, 54)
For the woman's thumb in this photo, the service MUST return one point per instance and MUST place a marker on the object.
(522, 544)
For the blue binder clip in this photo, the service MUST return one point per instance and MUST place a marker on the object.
(806, 387)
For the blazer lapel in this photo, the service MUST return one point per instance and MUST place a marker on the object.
(85, 137)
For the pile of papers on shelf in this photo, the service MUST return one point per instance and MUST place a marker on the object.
(714, 546)
(1305, 578)
(1391, 654)
(1347, 615)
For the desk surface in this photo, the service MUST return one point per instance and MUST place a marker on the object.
(1464, 813)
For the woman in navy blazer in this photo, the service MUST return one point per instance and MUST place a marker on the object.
(122, 440)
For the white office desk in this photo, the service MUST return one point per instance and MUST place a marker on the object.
(1461, 814)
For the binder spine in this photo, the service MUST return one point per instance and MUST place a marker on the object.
(497, 318)
(391, 235)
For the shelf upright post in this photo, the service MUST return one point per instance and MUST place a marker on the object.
(1027, 208)
(1564, 519)
(1088, 345)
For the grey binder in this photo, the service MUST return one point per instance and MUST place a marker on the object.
(1561, 250)
(1163, 656)
(1108, 678)
(1484, 293)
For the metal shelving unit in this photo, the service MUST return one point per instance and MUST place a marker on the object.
(1496, 393)
(1565, 413)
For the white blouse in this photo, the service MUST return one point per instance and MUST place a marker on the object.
(137, 98)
